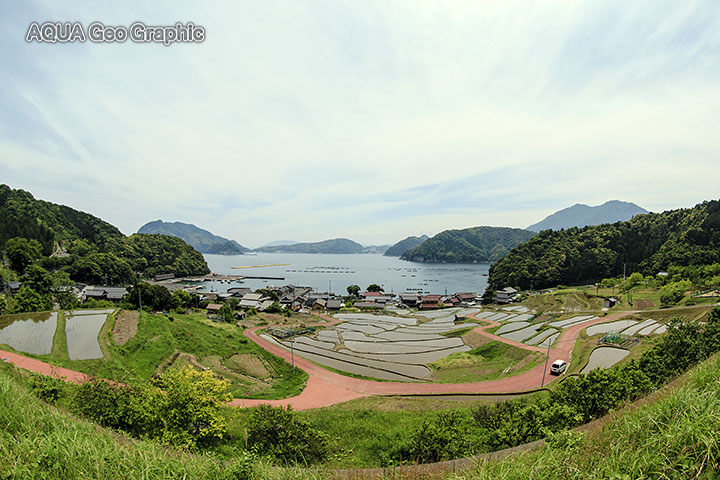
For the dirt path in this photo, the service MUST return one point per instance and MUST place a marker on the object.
(325, 388)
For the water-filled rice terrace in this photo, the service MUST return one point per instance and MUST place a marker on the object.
(386, 347)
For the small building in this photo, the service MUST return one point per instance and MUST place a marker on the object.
(334, 304)
(610, 302)
(429, 301)
(466, 298)
(213, 308)
(319, 304)
(238, 291)
(371, 294)
(506, 295)
(409, 299)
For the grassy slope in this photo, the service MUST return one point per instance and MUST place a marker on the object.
(673, 435)
(156, 340)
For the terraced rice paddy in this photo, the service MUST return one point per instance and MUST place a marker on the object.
(82, 328)
(29, 332)
(383, 346)
(604, 357)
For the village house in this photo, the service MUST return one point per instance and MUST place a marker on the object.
(506, 295)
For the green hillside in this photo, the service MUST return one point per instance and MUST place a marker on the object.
(88, 248)
(647, 244)
(404, 245)
(470, 245)
(201, 240)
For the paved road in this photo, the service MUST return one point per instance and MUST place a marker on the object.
(325, 388)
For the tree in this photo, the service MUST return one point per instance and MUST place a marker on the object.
(265, 292)
(374, 287)
(156, 297)
(353, 290)
(22, 252)
(38, 279)
(28, 300)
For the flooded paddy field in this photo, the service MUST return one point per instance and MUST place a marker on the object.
(29, 332)
(82, 328)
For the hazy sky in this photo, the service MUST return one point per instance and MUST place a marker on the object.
(308, 120)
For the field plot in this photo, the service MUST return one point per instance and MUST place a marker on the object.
(604, 357)
(29, 332)
(383, 346)
(82, 332)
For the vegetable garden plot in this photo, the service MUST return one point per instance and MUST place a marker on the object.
(604, 357)
(640, 326)
(29, 332)
(82, 336)
(618, 326)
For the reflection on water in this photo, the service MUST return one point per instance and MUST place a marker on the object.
(29, 332)
(82, 335)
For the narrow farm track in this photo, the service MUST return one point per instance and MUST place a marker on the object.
(325, 388)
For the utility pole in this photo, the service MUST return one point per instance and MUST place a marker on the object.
(292, 352)
(139, 296)
(547, 357)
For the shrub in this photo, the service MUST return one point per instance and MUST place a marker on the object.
(445, 437)
(281, 435)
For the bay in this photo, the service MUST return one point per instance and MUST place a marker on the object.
(335, 272)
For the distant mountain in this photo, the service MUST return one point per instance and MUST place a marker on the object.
(201, 240)
(375, 249)
(580, 215)
(336, 245)
(277, 243)
(403, 245)
(470, 245)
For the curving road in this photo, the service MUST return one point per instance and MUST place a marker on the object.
(325, 388)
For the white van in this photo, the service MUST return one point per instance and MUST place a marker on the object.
(558, 367)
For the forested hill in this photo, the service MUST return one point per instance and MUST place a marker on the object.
(404, 245)
(470, 245)
(201, 240)
(647, 244)
(335, 245)
(23, 216)
(580, 215)
(93, 250)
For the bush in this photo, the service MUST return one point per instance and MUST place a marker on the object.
(445, 437)
(281, 435)
(48, 389)
(182, 409)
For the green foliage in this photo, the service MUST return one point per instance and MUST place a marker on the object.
(374, 287)
(22, 252)
(443, 438)
(353, 290)
(672, 293)
(98, 251)
(283, 436)
(470, 245)
(266, 292)
(28, 300)
(48, 389)
(182, 409)
(647, 244)
(275, 307)
(154, 297)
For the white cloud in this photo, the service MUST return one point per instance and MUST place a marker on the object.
(368, 120)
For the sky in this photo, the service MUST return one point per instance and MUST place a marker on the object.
(370, 120)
